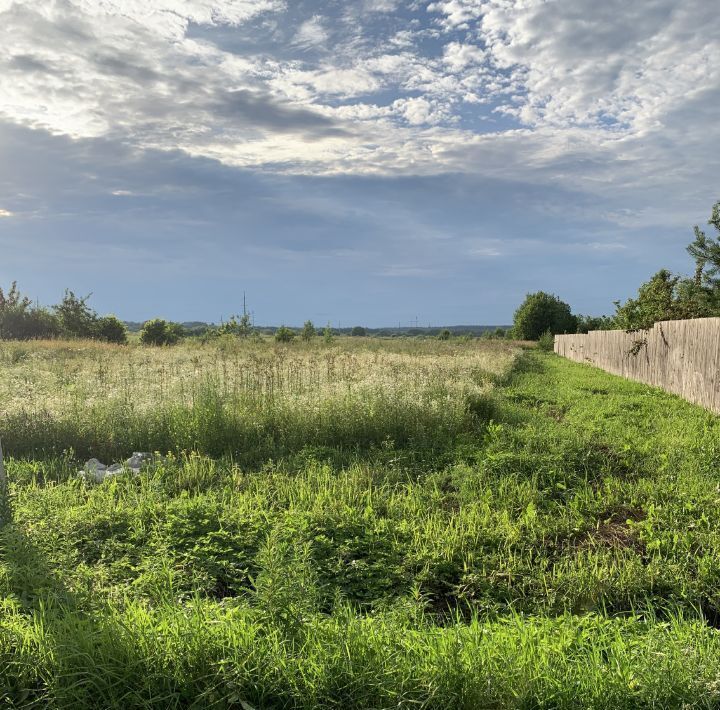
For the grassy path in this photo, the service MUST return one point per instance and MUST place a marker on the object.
(558, 549)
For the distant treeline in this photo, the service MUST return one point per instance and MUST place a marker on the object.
(23, 319)
(198, 328)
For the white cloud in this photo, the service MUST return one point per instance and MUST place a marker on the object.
(380, 5)
(311, 33)
(419, 111)
(458, 56)
(457, 13)
(6, 213)
(602, 97)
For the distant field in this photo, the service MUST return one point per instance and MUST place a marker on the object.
(366, 524)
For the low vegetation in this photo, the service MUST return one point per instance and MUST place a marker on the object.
(357, 523)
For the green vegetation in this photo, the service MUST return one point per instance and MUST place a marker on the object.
(365, 524)
(284, 334)
(665, 296)
(237, 325)
(542, 312)
(71, 318)
(161, 332)
(673, 297)
(308, 331)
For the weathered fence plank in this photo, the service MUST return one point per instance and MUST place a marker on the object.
(680, 356)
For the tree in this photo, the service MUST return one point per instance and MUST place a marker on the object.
(657, 300)
(20, 320)
(358, 331)
(111, 330)
(308, 331)
(706, 252)
(76, 318)
(542, 312)
(237, 325)
(670, 297)
(587, 323)
(328, 334)
(159, 332)
(444, 334)
(284, 334)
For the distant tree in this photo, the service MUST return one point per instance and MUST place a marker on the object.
(444, 334)
(76, 318)
(587, 323)
(20, 320)
(111, 329)
(160, 332)
(328, 334)
(284, 334)
(308, 331)
(237, 325)
(358, 331)
(175, 333)
(542, 312)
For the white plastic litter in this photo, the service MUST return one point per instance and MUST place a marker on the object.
(97, 471)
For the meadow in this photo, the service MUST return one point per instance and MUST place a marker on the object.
(369, 523)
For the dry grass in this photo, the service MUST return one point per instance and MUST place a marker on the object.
(54, 376)
(230, 394)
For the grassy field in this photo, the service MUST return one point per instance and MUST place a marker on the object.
(371, 524)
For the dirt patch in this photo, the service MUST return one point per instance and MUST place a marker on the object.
(614, 530)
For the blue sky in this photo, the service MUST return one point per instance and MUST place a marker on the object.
(369, 162)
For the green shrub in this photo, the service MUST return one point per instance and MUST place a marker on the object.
(76, 318)
(161, 332)
(546, 341)
(284, 334)
(20, 320)
(111, 330)
(308, 331)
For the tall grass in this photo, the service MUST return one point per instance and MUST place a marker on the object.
(252, 401)
(562, 550)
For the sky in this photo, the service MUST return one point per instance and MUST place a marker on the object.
(372, 162)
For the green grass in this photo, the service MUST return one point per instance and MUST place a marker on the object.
(554, 544)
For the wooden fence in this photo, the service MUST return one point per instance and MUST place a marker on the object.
(680, 356)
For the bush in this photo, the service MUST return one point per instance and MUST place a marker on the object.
(284, 334)
(308, 331)
(161, 332)
(358, 331)
(542, 312)
(20, 320)
(76, 318)
(546, 341)
(111, 330)
(444, 334)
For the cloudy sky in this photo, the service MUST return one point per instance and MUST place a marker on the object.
(372, 162)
